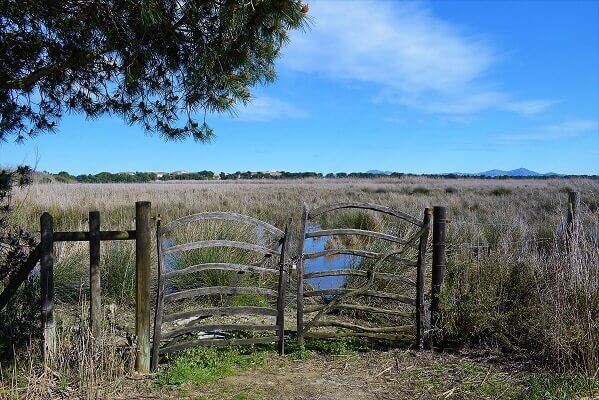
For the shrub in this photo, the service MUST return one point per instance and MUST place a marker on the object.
(421, 190)
(501, 191)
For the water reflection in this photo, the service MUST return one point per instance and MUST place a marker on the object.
(340, 261)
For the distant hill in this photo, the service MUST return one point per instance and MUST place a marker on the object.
(514, 172)
(378, 172)
(493, 173)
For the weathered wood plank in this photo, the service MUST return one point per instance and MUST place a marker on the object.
(159, 310)
(228, 216)
(216, 328)
(359, 328)
(357, 232)
(205, 291)
(358, 272)
(360, 253)
(380, 336)
(47, 287)
(220, 266)
(95, 287)
(281, 288)
(218, 343)
(420, 279)
(143, 279)
(366, 206)
(357, 307)
(202, 244)
(300, 275)
(371, 293)
(219, 311)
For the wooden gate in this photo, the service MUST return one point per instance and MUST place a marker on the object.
(332, 312)
(182, 328)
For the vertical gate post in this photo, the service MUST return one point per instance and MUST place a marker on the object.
(300, 277)
(47, 287)
(439, 259)
(159, 299)
(95, 291)
(142, 285)
(420, 278)
(281, 289)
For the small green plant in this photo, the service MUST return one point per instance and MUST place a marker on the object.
(562, 387)
(205, 364)
(451, 190)
(336, 347)
(300, 354)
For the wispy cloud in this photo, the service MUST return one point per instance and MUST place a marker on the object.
(265, 109)
(563, 130)
(414, 58)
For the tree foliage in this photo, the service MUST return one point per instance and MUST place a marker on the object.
(156, 63)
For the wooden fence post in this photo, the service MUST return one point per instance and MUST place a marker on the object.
(142, 285)
(420, 279)
(439, 223)
(300, 277)
(281, 289)
(573, 206)
(47, 287)
(95, 291)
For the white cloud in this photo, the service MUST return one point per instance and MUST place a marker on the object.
(413, 57)
(563, 130)
(530, 107)
(266, 109)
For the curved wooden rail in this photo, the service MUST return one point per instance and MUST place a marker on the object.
(358, 272)
(357, 232)
(357, 307)
(360, 253)
(359, 328)
(365, 206)
(358, 292)
(380, 336)
(216, 328)
(217, 343)
(219, 311)
(206, 291)
(220, 266)
(202, 244)
(227, 216)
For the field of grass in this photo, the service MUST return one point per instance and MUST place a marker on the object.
(510, 286)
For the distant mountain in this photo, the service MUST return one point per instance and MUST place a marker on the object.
(378, 172)
(515, 172)
(493, 173)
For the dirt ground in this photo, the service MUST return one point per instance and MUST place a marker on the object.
(396, 374)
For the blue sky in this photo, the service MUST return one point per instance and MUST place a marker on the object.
(424, 87)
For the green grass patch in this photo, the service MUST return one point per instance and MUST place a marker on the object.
(562, 387)
(206, 364)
